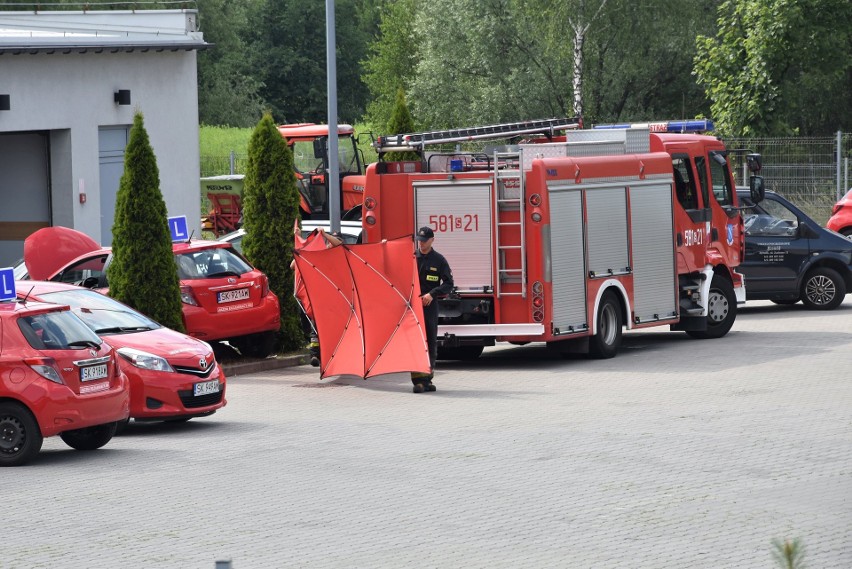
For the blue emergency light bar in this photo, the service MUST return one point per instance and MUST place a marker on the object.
(697, 125)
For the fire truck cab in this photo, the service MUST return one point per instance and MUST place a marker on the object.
(571, 238)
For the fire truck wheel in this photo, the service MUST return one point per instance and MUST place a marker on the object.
(606, 341)
(721, 309)
(823, 289)
(460, 353)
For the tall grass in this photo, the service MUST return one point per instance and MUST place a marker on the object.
(221, 140)
(217, 143)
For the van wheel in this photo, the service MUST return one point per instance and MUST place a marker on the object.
(20, 437)
(823, 289)
(90, 438)
(721, 309)
(460, 353)
(606, 341)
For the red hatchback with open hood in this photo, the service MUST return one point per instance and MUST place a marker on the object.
(224, 297)
(56, 378)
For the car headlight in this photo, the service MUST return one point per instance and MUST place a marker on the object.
(144, 360)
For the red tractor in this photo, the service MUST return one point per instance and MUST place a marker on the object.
(309, 143)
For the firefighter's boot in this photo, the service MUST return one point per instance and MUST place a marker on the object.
(420, 381)
(314, 350)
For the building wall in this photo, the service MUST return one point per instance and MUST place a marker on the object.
(71, 96)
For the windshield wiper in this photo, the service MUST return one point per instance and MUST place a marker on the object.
(84, 344)
(223, 274)
(116, 329)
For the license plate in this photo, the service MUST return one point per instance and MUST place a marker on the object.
(93, 372)
(206, 387)
(232, 295)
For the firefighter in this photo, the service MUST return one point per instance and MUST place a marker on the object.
(436, 279)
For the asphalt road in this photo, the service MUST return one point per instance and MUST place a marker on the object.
(677, 453)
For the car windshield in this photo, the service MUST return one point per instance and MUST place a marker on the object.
(210, 263)
(60, 330)
(770, 218)
(101, 313)
(20, 271)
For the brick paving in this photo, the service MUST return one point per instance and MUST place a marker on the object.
(677, 453)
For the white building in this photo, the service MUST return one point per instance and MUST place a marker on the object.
(70, 83)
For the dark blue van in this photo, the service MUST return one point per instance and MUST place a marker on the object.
(789, 257)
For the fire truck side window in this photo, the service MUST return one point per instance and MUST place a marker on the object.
(684, 183)
(722, 186)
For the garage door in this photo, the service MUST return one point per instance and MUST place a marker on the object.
(24, 191)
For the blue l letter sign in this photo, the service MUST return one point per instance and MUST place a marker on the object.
(7, 284)
(178, 228)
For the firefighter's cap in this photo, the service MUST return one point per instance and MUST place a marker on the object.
(425, 234)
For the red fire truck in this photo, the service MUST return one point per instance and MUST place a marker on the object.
(568, 238)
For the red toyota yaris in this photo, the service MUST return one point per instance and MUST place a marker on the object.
(56, 378)
(173, 377)
(224, 297)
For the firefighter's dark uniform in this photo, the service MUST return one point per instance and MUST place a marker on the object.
(436, 279)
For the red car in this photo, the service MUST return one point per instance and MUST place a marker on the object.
(224, 297)
(173, 377)
(841, 215)
(56, 378)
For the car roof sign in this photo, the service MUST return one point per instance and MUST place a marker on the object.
(178, 228)
(7, 284)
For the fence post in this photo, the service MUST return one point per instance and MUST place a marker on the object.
(233, 162)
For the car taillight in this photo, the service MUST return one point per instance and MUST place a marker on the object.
(264, 286)
(45, 367)
(186, 296)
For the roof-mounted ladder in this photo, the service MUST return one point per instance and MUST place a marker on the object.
(417, 141)
(509, 196)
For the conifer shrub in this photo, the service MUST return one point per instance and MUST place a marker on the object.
(142, 272)
(401, 122)
(270, 209)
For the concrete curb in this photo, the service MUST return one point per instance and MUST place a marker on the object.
(246, 365)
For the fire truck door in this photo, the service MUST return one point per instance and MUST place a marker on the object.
(567, 262)
(460, 214)
(654, 277)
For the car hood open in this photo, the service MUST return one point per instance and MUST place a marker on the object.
(51, 248)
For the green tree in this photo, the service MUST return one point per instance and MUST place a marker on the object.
(392, 59)
(270, 209)
(778, 67)
(228, 90)
(288, 50)
(141, 241)
(401, 122)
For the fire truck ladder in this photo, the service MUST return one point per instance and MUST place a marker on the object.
(509, 179)
(417, 141)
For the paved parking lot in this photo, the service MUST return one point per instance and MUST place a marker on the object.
(677, 453)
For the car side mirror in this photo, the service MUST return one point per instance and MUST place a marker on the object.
(755, 186)
(754, 161)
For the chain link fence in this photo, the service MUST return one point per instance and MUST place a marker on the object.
(812, 172)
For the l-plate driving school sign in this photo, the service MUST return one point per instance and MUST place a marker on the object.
(178, 228)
